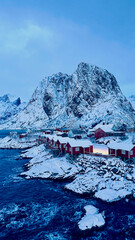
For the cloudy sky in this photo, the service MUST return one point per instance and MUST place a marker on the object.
(42, 37)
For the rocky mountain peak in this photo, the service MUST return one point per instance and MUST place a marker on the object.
(9, 106)
(83, 68)
(17, 102)
(4, 98)
(95, 76)
(89, 96)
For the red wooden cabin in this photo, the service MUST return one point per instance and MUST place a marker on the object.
(123, 150)
(64, 130)
(75, 147)
(73, 150)
(23, 135)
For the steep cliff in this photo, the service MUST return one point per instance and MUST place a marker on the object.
(89, 96)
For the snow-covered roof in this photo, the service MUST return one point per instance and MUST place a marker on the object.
(79, 143)
(64, 139)
(61, 139)
(104, 127)
(50, 136)
(55, 138)
(71, 141)
(125, 145)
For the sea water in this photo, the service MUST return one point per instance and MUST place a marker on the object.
(42, 209)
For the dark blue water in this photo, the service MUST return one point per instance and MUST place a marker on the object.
(42, 209)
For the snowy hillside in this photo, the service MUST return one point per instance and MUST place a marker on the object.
(132, 100)
(88, 96)
(9, 106)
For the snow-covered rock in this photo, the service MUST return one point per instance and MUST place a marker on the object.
(91, 219)
(33, 151)
(44, 165)
(9, 106)
(133, 175)
(106, 178)
(111, 195)
(132, 100)
(85, 183)
(89, 96)
(15, 143)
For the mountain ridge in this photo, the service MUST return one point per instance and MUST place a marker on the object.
(132, 100)
(9, 106)
(89, 96)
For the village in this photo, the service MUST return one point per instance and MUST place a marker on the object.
(98, 162)
(102, 140)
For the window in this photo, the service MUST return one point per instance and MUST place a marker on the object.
(111, 151)
(123, 151)
(69, 149)
(77, 149)
(131, 152)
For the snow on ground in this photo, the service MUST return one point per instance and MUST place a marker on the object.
(111, 195)
(91, 219)
(44, 165)
(105, 178)
(108, 139)
(33, 152)
(15, 143)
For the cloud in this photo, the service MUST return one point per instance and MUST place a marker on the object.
(16, 40)
(32, 48)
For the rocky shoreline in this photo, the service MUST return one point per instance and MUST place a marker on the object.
(13, 143)
(107, 179)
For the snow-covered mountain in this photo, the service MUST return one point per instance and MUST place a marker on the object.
(9, 106)
(132, 100)
(89, 96)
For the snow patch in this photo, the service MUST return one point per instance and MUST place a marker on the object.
(111, 195)
(91, 219)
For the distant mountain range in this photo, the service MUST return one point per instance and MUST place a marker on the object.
(87, 97)
(10, 106)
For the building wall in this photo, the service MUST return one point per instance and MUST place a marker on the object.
(88, 150)
(123, 155)
(133, 155)
(57, 145)
(75, 151)
(119, 153)
(68, 148)
(99, 133)
(62, 146)
(91, 149)
(112, 152)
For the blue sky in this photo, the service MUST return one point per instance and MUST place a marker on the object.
(42, 37)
